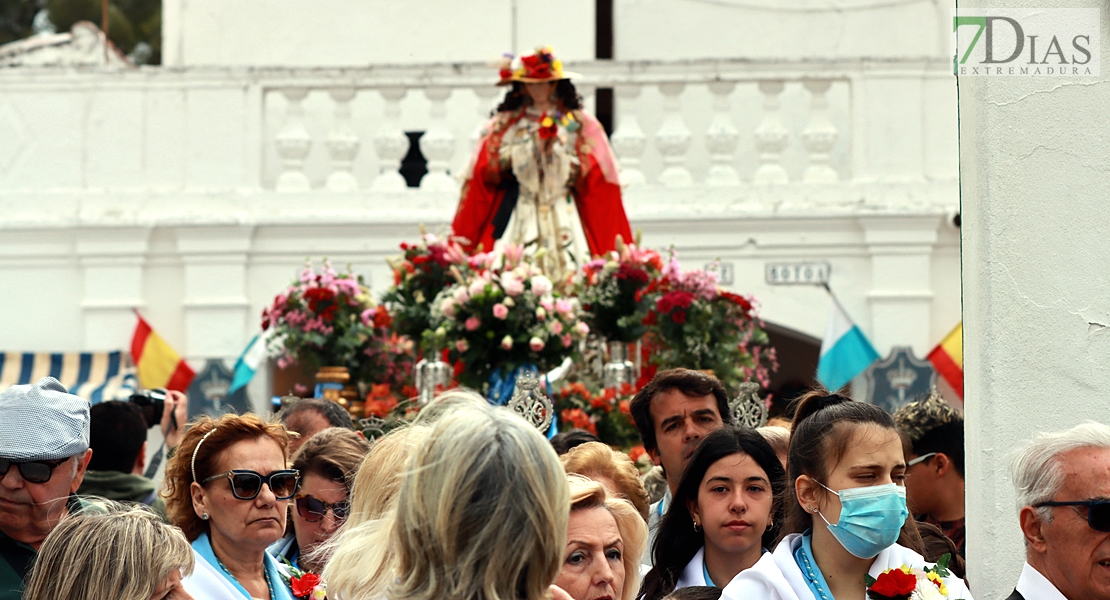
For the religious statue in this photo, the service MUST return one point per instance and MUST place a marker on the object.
(543, 174)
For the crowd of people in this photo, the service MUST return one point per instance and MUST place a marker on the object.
(471, 502)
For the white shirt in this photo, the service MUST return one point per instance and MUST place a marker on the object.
(655, 517)
(1032, 585)
(776, 576)
(694, 573)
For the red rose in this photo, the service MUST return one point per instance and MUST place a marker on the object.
(303, 585)
(894, 583)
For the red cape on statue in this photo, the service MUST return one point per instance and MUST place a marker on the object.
(597, 198)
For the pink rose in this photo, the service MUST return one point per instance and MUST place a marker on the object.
(512, 284)
(547, 305)
(563, 306)
(540, 285)
(507, 342)
(473, 323)
(582, 329)
(478, 286)
(461, 295)
(462, 346)
(541, 314)
(556, 327)
(536, 344)
(448, 307)
(500, 311)
(566, 340)
(367, 316)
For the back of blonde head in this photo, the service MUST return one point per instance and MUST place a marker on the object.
(481, 515)
(122, 554)
(378, 480)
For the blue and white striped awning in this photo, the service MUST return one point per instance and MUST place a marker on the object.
(97, 376)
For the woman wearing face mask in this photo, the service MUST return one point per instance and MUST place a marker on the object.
(845, 508)
(727, 504)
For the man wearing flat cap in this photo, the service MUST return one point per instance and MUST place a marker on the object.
(44, 449)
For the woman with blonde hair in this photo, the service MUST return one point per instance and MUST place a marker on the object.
(606, 537)
(228, 488)
(123, 554)
(481, 514)
(610, 468)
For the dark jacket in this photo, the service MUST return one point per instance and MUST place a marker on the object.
(122, 487)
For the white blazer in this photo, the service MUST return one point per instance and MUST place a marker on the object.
(694, 573)
(778, 577)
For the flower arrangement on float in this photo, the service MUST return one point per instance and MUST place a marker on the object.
(909, 583)
(420, 273)
(503, 314)
(323, 318)
(697, 325)
(614, 294)
(605, 414)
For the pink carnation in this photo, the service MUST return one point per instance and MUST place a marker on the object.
(500, 311)
(473, 323)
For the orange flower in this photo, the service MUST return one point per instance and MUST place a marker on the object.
(625, 407)
(636, 452)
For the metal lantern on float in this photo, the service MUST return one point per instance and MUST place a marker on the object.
(432, 376)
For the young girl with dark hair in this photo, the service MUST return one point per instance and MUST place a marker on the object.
(543, 175)
(723, 516)
(845, 509)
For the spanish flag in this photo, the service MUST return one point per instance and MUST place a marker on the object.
(948, 359)
(157, 364)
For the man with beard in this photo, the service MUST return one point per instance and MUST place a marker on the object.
(44, 450)
(673, 413)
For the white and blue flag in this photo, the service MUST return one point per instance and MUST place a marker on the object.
(252, 357)
(845, 351)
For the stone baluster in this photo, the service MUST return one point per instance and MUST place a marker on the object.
(486, 103)
(588, 93)
(438, 143)
(293, 143)
(771, 136)
(342, 142)
(628, 140)
(819, 135)
(673, 138)
(722, 137)
(391, 143)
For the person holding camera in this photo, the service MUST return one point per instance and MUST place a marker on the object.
(118, 442)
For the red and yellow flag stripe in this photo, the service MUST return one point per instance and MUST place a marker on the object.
(948, 359)
(156, 363)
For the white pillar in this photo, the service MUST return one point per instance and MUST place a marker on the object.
(391, 143)
(438, 142)
(673, 138)
(217, 324)
(901, 295)
(771, 136)
(628, 140)
(112, 262)
(293, 143)
(1036, 298)
(342, 142)
(722, 137)
(819, 136)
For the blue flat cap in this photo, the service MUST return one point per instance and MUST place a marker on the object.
(42, 421)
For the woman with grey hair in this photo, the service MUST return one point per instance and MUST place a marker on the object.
(481, 515)
(122, 554)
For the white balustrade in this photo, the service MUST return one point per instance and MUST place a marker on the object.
(771, 136)
(628, 140)
(342, 142)
(488, 99)
(293, 143)
(438, 142)
(673, 138)
(588, 92)
(722, 137)
(819, 135)
(391, 143)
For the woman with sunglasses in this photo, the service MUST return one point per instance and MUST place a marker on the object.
(327, 463)
(228, 488)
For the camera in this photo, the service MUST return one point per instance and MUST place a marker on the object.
(152, 403)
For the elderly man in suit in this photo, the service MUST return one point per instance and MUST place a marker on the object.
(1063, 489)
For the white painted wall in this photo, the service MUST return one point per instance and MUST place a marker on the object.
(1036, 295)
(358, 33)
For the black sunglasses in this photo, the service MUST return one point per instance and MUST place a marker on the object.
(313, 509)
(1098, 512)
(246, 484)
(38, 471)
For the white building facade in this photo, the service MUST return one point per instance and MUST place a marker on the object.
(750, 131)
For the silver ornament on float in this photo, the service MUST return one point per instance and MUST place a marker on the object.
(530, 402)
(748, 409)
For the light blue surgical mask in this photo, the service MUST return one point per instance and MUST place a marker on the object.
(870, 518)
